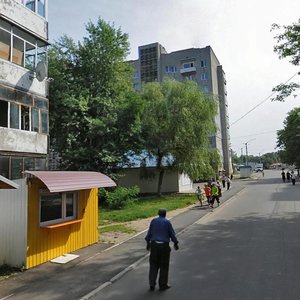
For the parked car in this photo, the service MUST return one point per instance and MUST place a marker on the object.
(259, 169)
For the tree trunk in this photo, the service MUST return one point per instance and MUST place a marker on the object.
(160, 180)
(161, 172)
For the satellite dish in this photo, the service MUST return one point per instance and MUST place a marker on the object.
(41, 71)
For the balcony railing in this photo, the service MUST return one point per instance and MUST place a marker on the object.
(188, 70)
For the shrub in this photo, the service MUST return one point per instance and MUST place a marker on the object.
(120, 197)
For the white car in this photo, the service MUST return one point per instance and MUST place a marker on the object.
(259, 169)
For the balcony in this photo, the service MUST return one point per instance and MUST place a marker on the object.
(188, 70)
(20, 15)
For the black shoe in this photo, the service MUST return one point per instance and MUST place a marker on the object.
(152, 288)
(163, 288)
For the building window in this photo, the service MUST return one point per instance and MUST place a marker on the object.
(3, 113)
(188, 65)
(4, 44)
(4, 166)
(13, 167)
(18, 51)
(204, 76)
(57, 207)
(37, 6)
(24, 117)
(170, 69)
(27, 51)
(14, 116)
(203, 63)
(16, 167)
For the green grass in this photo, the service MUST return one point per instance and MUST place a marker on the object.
(144, 208)
(117, 228)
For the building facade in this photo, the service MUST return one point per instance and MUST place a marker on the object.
(24, 100)
(198, 64)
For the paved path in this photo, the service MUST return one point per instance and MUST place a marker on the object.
(97, 266)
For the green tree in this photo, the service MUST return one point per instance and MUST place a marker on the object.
(177, 122)
(288, 138)
(94, 110)
(288, 45)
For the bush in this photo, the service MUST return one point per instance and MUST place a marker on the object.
(120, 197)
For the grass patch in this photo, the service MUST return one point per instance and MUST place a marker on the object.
(144, 208)
(6, 271)
(117, 228)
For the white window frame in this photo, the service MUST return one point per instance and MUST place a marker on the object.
(64, 218)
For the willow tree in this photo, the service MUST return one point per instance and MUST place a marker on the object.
(178, 119)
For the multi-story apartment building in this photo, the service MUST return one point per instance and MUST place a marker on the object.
(23, 86)
(198, 64)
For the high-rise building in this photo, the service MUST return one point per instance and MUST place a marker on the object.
(198, 64)
(23, 86)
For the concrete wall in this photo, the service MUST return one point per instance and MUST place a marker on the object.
(13, 225)
(17, 76)
(22, 141)
(172, 181)
(24, 18)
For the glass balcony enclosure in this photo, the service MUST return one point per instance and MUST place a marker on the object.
(37, 6)
(21, 48)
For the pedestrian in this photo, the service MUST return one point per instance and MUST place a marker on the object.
(223, 180)
(199, 194)
(219, 189)
(214, 195)
(228, 181)
(207, 190)
(283, 176)
(288, 176)
(158, 238)
(293, 178)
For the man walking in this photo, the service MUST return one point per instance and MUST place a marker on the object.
(158, 237)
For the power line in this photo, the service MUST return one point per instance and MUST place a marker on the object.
(261, 102)
(253, 134)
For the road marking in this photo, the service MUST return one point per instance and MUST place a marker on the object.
(7, 297)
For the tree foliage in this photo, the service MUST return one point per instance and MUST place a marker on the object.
(288, 138)
(288, 46)
(177, 122)
(94, 110)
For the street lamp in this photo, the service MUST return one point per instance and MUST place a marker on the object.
(246, 144)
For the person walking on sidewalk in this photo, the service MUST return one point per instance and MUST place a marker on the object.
(293, 178)
(215, 195)
(283, 176)
(158, 238)
(228, 181)
(199, 194)
(207, 191)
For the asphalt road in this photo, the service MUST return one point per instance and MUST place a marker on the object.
(249, 248)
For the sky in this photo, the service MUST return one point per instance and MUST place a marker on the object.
(239, 33)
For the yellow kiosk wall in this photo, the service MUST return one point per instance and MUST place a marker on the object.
(44, 244)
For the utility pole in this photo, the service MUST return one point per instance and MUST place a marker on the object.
(246, 144)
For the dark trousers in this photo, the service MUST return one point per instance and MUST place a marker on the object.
(159, 261)
(215, 197)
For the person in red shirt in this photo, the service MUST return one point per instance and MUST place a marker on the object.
(207, 191)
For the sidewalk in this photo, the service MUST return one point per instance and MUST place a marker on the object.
(97, 265)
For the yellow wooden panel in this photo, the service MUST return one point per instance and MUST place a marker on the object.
(44, 244)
